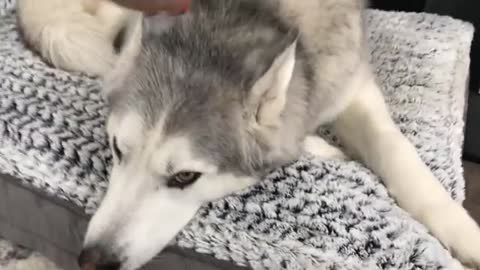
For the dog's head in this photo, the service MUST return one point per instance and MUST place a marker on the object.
(192, 119)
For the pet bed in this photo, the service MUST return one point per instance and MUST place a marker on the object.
(311, 214)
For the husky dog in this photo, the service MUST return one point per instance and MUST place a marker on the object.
(206, 104)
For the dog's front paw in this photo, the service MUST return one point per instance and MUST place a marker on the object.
(318, 147)
(452, 225)
(466, 246)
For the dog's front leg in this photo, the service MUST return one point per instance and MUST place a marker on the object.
(318, 147)
(366, 128)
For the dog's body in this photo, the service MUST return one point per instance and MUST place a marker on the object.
(205, 104)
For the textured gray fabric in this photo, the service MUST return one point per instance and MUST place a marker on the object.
(9, 253)
(310, 214)
(6, 6)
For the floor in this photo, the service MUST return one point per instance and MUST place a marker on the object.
(472, 177)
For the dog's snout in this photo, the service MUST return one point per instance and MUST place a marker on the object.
(96, 258)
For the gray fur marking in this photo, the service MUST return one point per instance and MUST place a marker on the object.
(199, 68)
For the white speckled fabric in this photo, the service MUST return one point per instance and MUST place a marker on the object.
(15, 258)
(6, 6)
(308, 215)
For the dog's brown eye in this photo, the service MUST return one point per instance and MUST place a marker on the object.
(183, 179)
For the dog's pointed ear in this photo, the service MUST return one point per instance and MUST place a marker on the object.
(268, 94)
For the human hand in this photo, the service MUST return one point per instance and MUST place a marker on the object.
(173, 7)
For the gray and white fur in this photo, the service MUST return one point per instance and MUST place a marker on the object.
(205, 104)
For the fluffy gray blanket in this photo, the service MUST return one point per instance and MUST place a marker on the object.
(313, 214)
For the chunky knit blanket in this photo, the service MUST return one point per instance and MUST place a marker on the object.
(312, 214)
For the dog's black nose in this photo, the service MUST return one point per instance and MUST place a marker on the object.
(96, 258)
